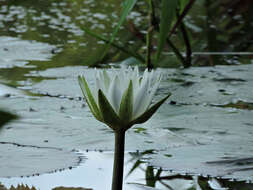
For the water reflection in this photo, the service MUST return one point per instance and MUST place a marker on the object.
(96, 173)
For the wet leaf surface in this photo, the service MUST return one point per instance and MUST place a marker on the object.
(15, 52)
(191, 126)
(28, 160)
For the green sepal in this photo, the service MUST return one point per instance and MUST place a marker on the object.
(126, 105)
(89, 98)
(148, 114)
(110, 117)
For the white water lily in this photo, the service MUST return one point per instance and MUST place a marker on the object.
(122, 98)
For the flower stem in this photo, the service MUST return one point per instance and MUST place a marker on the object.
(118, 167)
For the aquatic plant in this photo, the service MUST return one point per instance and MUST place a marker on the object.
(171, 18)
(121, 99)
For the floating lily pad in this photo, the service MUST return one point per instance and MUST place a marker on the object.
(215, 160)
(191, 123)
(23, 160)
(9, 91)
(17, 52)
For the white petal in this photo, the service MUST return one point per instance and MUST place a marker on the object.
(154, 88)
(123, 80)
(106, 80)
(114, 94)
(100, 83)
(97, 83)
(94, 92)
(135, 79)
(142, 96)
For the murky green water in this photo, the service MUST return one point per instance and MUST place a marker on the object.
(205, 128)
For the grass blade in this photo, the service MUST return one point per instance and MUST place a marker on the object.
(167, 15)
(183, 3)
(182, 15)
(124, 50)
(128, 5)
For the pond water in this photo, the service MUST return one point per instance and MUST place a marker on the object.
(95, 173)
(204, 129)
(96, 169)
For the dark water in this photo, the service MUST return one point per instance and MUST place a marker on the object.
(61, 25)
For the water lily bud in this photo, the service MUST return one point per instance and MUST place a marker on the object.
(122, 98)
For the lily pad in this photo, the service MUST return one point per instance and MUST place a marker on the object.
(25, 160)
(191, 123)
(215, 160)
(17, 52)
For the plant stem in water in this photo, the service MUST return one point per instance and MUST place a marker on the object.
(149, 37)
(186, 39)
(118, 166)
(176, 51)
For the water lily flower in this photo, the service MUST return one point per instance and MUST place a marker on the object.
(122, 99)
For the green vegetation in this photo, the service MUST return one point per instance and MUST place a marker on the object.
(153, 32)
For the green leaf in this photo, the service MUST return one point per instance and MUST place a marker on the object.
(148, 114)
(127, 7)
(182, 4)
(5, 117)
(89, 98)
(121, 48)
(110, 117)
(167, 16)
(126, 105)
